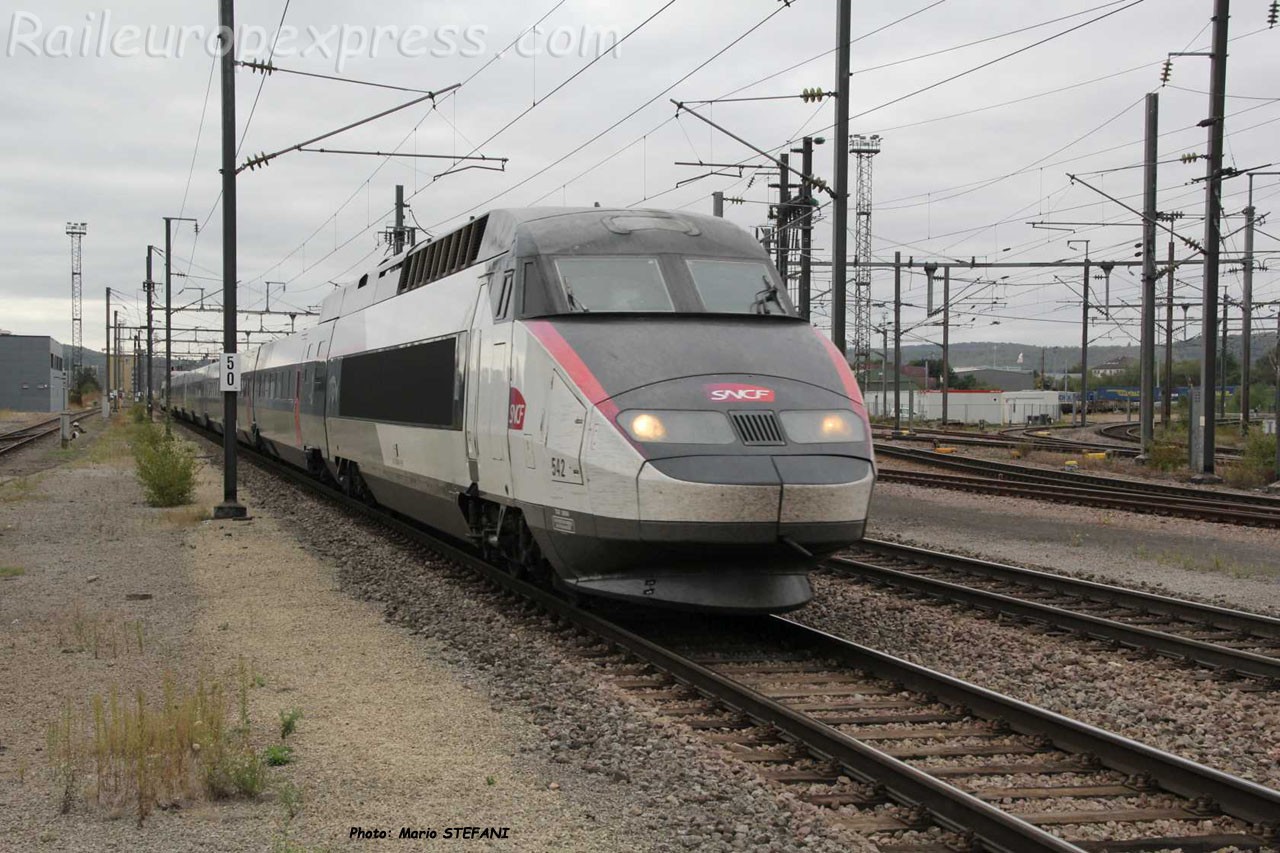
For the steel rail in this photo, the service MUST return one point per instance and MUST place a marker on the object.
(952, 808)
(1252, 516)
(1027, 473)
(1140, 637)
(1046, 443)
(21, 437)
(1175, 608)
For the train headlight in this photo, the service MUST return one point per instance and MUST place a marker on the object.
(823, 427)
(647, 427)
(677, 427)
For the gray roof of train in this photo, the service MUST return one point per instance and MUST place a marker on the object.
(587, 230)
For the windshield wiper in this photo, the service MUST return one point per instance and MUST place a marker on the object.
(770, 294)
(573, 303)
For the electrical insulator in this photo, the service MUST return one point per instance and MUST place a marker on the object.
(1273, 15)
(811, 95)
(1190, 157)
(1166, 72)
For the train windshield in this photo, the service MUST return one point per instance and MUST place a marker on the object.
(616, 284)
(736, 287)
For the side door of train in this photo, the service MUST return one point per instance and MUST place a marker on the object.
(489, 412)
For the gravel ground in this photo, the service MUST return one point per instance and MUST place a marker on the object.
(458, 713)
(1223, 564)
(669, 790)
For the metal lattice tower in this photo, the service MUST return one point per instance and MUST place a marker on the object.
(76, 230)
(865, 147)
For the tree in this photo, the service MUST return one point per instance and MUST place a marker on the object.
(954, 381)
(84, 382)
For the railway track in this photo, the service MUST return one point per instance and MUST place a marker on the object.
(18, 438)
(1001, 478)
(1131, 433)
(1230, 641)
(1036, 439)
(914, 759)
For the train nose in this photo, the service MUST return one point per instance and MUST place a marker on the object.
(817, 501)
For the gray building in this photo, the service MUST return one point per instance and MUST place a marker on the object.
(32, 374)
(1000, 378)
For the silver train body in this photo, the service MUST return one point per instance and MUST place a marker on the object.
(622, 400)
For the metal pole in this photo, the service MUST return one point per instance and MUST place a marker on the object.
(1212, 234)
(230, 506)
(781, 233)
(884, 367)
(1276, 410)
(946, 341)
(840, 213)
(399, 233)
(717, 204)
(1166, 405)
(106, 385)
(150, 288)
(1246, 332)
(119, 371)
(1222, 362)
(806, 228)
(168, 302)
(1147, 404)
(897, 341)
(168, 312)
(1084, 349)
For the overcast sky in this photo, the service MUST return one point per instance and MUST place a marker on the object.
(97, 131)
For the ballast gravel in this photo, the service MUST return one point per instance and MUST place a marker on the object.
(1220, 723)
(674, 790)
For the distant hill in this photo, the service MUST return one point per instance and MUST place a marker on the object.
(1059, 359)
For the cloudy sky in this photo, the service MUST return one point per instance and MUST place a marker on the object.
(110, 119)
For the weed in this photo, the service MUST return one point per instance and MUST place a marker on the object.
(289, 722)
(490, 781)
(278, 755)
(11, 572)
(141, 753)
(259, 681)
(1256, 466)
(290, 798)
(104, 635)
(1167, 457)
(166, 467)
(18, 490)
(242, 681)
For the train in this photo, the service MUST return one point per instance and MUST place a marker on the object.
(623, 404)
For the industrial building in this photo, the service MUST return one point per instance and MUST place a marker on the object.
(33, 376)
(971, 407)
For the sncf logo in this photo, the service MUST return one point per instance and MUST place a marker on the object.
(516, 409)
(739, 394)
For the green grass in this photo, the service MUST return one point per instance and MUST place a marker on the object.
(167, 467)
(278, 755)
(289, 722)
(8, 573)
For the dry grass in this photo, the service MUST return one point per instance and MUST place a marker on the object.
(105, 635)
(110, 446)
(185, 516)
(19, 490)
(137, 752)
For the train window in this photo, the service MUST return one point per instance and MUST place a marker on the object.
(614, 284)
(736, 287)
(502, 303)
(410, 385)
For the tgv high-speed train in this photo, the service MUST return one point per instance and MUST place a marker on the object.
(622, 401)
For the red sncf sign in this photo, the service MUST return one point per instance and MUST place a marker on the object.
(515, 410)
(730, 393)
